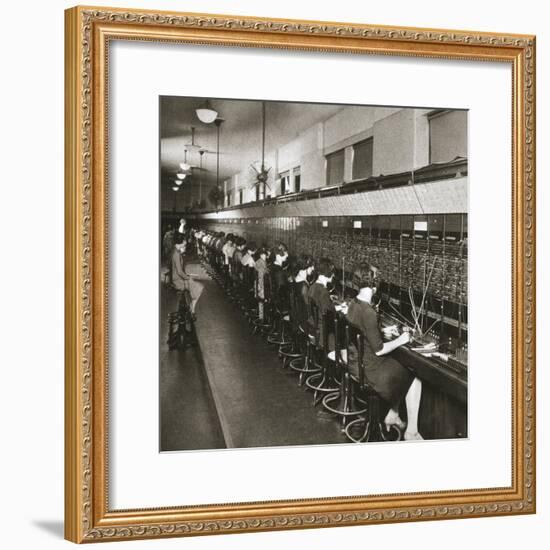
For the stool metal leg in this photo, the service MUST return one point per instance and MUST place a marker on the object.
(321, 382)
(342, 402)
(370, 427)
(288, 352)
(305, 365)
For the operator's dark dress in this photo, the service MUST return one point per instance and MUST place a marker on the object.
(319, 295)
(388, 377)
(300, 309)
(181, 280)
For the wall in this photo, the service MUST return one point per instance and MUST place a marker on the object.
(400, 142)
(434, 197)
(305, 151)
(401, 138)
(352, 124)
(451, 130)
(31, 324)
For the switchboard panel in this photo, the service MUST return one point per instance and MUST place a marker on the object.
(423, 261)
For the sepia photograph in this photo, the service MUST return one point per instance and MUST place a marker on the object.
(313, 273)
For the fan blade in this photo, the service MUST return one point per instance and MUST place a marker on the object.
(214, 152)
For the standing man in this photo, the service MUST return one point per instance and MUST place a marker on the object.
(167, 244)
(180, 279)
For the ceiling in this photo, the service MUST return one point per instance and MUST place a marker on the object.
(240, 135)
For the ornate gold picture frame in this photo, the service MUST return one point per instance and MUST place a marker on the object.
(89, 31)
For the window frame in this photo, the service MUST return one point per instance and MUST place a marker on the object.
(355, 177)
(327, 163)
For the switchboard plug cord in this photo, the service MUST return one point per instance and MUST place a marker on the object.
(420, 312)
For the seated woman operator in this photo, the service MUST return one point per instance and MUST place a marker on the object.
(318, 291)
(319, 295)
(391, 380)
(279, 276)
(262, 270)
(303, 270)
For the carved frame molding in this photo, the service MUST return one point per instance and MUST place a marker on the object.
(88, 32)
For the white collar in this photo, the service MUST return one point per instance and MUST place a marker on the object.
(322, 280)
(365, 295)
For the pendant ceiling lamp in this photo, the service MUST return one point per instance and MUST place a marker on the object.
(183, 165)
(218, 123)
(201, 153)
(206, 114)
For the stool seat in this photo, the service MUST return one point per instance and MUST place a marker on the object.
(343, 355)
(286, 318)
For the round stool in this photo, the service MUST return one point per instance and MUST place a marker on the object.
(343, 402)
(305, 365)
(369, 426)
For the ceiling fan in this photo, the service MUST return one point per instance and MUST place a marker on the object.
(202, 151)
(185, 167)
(261, 175)
(192, 146)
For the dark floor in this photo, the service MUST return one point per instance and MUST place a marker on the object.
(232, 392)
(188, 418)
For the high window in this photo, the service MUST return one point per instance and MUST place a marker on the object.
(335, 167)
(297, 180)
(362, 160)
(285, 183)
